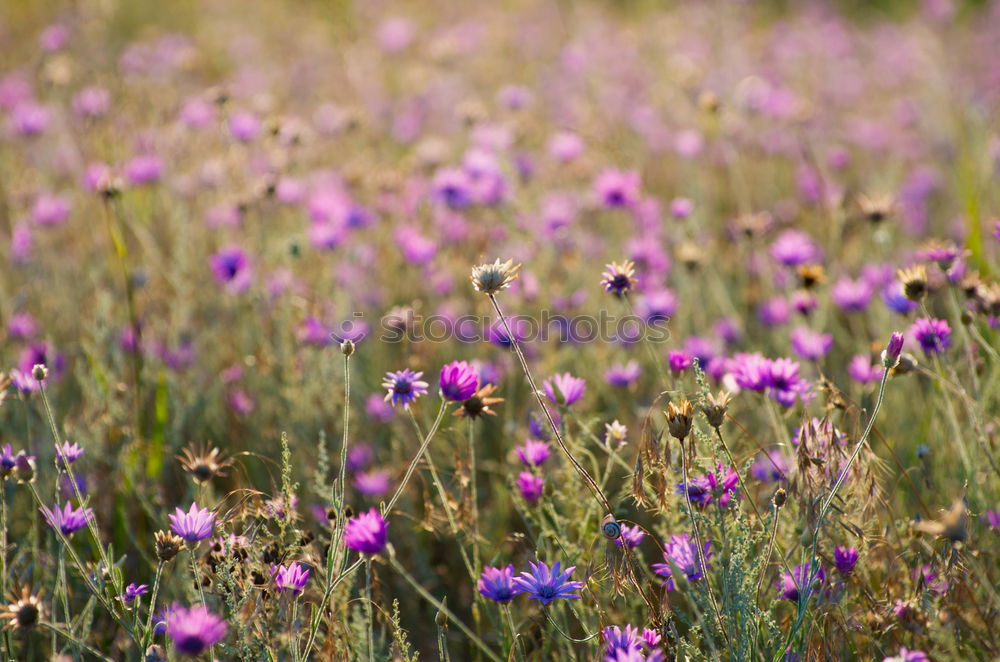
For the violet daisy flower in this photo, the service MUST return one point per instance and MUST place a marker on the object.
(404, 387)
(622, 375)
(67, 453)
(533, 453)
(69, 520)
(790, 584)
(133, 591)
(809, 344)
(794, 247)
(845, 558)
(8, 459)
(619, 279)
(548, 585)
(934, 335)
(990, 518)
(564, 389)
(698, 489)
(862, 370)
(616, 189)
(372, 483)
(631, 536)
(617, 639)
(906, 655)
(291, 577)
(682, 553)
(497, 584)
(784, 383)
(679, 361)
(751, 371)
(851, 295)
(194, 630)
(231, 267)
(530, 486)
(195, 525)
(366, 532)
(459, 381)
(452, 187)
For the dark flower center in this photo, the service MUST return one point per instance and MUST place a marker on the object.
(473, 406)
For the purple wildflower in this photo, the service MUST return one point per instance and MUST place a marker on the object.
(67, 453)
(809, 344)
(372, 483)
(682, 552)
(933, 335)
(906, 655)
(794, 247)
(617, 639)
(530, 486)
(790, 584)
(548, 585)
(459, 381)
(845, 558)
(533, 453)
(195, 525)
(291, 577)
(991, 518)
(862, 370)
(851, 295)
(622, 375)
(133, 591)
(679, 362)
(68, 520)
(564, 389)
(194, 630)
(404, 387)
(366, 532)
(632, 536)
(617, 189)
(497, 584)
(231, 267)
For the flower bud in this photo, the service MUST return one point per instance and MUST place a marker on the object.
(679, 418)
(890, 357)
(39, 372)
(24, 468)
(779, 497)
(168, 545)
(715, 408)
(347, 347)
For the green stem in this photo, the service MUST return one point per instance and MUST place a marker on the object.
(368, 610)
(479, 643)
(416, 459)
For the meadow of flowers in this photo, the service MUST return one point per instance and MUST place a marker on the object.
(531, 331)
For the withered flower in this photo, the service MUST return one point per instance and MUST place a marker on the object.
(479, 403)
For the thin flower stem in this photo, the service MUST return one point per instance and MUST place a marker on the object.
(590, 482)
(341, 520)
(368, 610)
(445, 502)
(314, 628)
(807, 589)
(474, 493)
(479, 643)
(698, 545)
(69, 637)
(767, 557)
(416, 459)
(515, 642)
(147, 634)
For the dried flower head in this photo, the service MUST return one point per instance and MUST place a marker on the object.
(811, 275)
(168, 545)
(952, 525)
(691, 255)
(715, 408)
(679, 418)
(491, 278)
(914, 281)
(203, 464)
(479, 403)
(619, 279)
(25, 612)
(877, 208)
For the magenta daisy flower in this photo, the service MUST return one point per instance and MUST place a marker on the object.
(366, 532)
(459, 381)
(564, 389)
(194, 630)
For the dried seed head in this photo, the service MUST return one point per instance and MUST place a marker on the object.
(39, 372)
(203, 464)
(779, 498)
(811, 275)
(25, 612)
(168, 545)
(491, 278)
(679, 418)
(347, 347)
(715, 408)
(691, 255)
(877, 208)
(914, 282)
